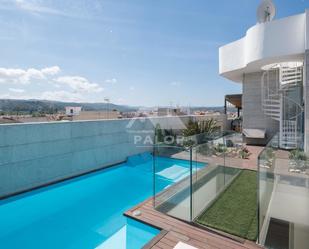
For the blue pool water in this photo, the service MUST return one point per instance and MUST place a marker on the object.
(87, 212)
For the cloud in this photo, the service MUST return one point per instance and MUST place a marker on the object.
(56, 86)
(68, 9)
(79, 84)
(111, 81)
(21, 76)
(121, 100)
(175, 83)
(36, 7)
(15, 96)
(51, 70)
(64, 96)
(16, 90)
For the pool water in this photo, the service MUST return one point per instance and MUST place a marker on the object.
(87, 212)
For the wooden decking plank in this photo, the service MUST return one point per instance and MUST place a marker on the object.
(183, 228)
(178, 230)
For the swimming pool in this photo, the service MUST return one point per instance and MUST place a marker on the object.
(86, 212)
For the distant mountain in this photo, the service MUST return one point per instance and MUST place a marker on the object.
(46, 106)
(204, 108)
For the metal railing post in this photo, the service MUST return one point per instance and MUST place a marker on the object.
(258, 198)
(191, 190)
(154, 175)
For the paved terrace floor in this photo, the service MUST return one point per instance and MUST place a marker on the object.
(174, 230)
(250, 163)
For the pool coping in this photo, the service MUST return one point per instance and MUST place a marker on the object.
(155, 240)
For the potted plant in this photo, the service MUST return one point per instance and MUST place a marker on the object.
(220, 149)
(298, 160)
(244, 153)
(199, 131)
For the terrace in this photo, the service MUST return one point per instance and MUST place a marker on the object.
(209, 190)
(57, 166)
(181, 210)
(181, 182)
(239, 206)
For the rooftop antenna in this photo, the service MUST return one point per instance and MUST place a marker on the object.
(266, 11)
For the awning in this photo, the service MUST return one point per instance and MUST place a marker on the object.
(235, 100)
(254, 133)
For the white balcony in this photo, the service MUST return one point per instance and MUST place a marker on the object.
(276, 41)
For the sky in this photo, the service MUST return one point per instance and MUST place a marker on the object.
(133, 52)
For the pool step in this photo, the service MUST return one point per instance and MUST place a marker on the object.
(117, 240)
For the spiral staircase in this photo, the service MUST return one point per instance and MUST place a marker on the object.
(277, 81)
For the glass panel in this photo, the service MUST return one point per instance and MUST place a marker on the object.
(283, 198)
(188, 179)
(172, 181)
(216, 164)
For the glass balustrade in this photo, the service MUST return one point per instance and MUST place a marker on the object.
(283, 197)
(189, 176)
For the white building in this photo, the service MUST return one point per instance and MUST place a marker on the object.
(166, 111)
(72, 110)
(270, 62)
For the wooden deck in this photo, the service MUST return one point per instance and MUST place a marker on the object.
(174, 231)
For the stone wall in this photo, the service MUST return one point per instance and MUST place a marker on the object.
(253, 114)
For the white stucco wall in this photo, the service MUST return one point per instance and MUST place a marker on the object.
(275, 41)
(307, 29)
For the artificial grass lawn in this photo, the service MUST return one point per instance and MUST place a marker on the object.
(235, 210)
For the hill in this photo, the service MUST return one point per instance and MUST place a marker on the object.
(46, 106)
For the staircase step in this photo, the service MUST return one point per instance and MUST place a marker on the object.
(272, 107)
(272, 99)
(272, 113)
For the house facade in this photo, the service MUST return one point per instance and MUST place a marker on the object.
(271, 63)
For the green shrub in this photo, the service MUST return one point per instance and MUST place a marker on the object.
(244, 153)
(298, 155)
(198, 127)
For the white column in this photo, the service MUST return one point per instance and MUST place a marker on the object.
(306, 85)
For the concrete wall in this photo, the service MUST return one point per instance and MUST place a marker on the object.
(35, 154)
(253, 115)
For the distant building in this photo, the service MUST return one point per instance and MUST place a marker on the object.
(166, 111)
(95, 115)
(73, 110)
(199, 113)
(8, 120)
